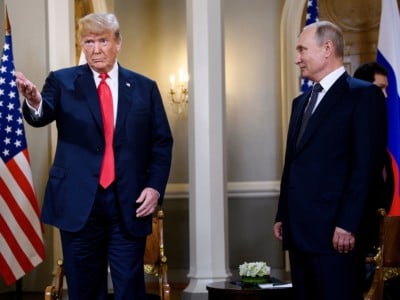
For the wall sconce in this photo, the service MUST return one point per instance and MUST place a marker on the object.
(179, 93)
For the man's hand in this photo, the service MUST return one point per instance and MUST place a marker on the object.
(278, 230)
(343, 241)
(28, 90)
(149, 200)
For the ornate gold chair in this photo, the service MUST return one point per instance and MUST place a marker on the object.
(155, 263)
(387, 260)
(54, 292)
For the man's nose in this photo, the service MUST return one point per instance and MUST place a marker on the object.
(96, 48)
(297, 58)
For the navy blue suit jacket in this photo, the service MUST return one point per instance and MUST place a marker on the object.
(142, 146)
(328, 176)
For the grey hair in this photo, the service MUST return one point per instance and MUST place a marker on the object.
(326, 31)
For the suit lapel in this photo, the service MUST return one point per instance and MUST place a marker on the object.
(85, 84)
(334, 94)
(125, 97)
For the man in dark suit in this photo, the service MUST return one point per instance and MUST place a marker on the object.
(378, 75)
(103, 217)
(375, 73)
(330, 166)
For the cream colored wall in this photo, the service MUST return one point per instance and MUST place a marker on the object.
(252, 89)
(154, 44)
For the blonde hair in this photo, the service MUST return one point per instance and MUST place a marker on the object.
(98, 23)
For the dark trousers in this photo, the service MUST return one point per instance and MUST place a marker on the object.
(104, 241)
(326, 277)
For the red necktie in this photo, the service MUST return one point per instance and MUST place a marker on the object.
(107, 171)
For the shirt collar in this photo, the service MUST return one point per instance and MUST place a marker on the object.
(330, 79)
(113, 74)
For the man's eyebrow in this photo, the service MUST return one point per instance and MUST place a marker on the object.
(300, 47)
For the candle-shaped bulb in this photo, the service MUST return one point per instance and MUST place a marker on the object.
(172, 81)
(181, 81)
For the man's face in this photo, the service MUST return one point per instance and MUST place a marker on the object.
(381, 81)
(310, 57)
(101, 50)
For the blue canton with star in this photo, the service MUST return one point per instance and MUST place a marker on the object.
(12, 135)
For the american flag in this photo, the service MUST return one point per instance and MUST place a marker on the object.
(311, 17)
(21, 241)
(388, 56)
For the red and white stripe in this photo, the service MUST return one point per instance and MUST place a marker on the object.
(21, 241)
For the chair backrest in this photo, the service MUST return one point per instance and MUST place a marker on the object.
(55, 291)
(388, 256)
(155, 241)
(155, 261)
(390, 241)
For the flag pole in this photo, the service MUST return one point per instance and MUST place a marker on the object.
(7, 25)
(18, 284)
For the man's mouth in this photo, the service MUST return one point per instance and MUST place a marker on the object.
(98, 60)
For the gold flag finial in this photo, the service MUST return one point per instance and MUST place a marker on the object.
(7, 25)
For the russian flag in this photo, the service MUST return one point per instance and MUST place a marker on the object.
(389, 56)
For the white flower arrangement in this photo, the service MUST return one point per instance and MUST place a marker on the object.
(254, 269)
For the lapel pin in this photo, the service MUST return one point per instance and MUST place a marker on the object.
(128, 84)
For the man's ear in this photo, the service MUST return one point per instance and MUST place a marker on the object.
(328, 48)
(119, 43)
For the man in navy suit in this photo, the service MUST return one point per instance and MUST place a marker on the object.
(100, 224)
(378, 75)
(329, 171)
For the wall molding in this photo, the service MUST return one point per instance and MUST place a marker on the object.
(290, 75)
(236, 189)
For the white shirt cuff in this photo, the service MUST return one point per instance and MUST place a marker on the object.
(35, 112)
